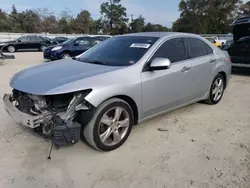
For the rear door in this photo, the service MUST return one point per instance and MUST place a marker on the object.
(22, 43)
(203, 61)
(35, 42)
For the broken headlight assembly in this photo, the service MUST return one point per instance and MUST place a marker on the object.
(54, 115)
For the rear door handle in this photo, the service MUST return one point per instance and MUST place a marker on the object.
(212, 60)
(185, 69)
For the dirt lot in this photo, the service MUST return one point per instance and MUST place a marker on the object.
(203, 146)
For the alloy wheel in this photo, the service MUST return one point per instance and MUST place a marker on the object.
(11, 49)
(217, 89)
(66, 56)
(114, 126)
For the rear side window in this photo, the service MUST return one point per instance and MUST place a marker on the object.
(173, 49)
(209, 50)
(34, 39)
(198, 48)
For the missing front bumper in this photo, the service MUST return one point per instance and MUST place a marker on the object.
(20, 117)
(64, 132)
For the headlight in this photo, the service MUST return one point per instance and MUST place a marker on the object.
(2, 44)
(56, 48)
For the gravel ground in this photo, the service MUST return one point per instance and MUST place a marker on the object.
(200, 146)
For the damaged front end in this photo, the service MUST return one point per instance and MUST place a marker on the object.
(52, 116)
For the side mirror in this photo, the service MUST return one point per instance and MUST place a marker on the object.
(160, 64)
(18, 40)
(76, 44)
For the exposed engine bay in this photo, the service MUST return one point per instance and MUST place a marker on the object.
(53, 116)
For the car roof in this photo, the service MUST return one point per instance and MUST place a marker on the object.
(158, 34)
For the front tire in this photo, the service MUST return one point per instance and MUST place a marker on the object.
(65, 55)
(110, 126)
(11, 49)
(216, 90)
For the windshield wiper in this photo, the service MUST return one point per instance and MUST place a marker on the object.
(95, 62)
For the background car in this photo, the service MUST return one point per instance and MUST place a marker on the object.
(212, 40)
(29, 42)
(240, 52)
(59, 40)
(227, 44)
(70, 48)
(102, 38)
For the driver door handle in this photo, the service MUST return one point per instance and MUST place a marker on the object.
(185, 69)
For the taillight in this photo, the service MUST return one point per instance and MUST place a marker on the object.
(229, 59)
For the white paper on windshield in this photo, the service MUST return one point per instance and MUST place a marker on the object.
(140, 45)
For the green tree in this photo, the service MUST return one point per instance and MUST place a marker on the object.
(149, 27)
(138, 24)
(205, 16)
(64, 21)
(47, 19)
(16, 19)
(4, 21)
(82, 23)
(114, 16)
(31, 22)
(244, 9)
(97, 27)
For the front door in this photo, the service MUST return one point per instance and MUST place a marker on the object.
(81, 45)
(22, 43)
(166, 89)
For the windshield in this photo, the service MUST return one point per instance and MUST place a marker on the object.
(44, 38)
(118, 51)
(69, 41)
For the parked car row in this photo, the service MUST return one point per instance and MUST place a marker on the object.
(72, 47)
(35, 42)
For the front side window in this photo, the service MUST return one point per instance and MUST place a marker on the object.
(82, 42)
(119, 51)
(197, 48)
(173, 49)
(23, 39)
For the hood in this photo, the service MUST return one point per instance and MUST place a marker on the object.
(7, 42)
(42, 79)
(52, 46)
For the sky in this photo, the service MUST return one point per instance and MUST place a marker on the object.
(156, 11)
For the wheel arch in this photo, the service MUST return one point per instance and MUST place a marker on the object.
(131, 103)
(224, 77)
(6, 47)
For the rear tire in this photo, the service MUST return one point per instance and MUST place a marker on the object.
(115, 131)
(216, 90)
(11, 49)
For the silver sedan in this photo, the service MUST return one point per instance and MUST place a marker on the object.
(121, 82)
